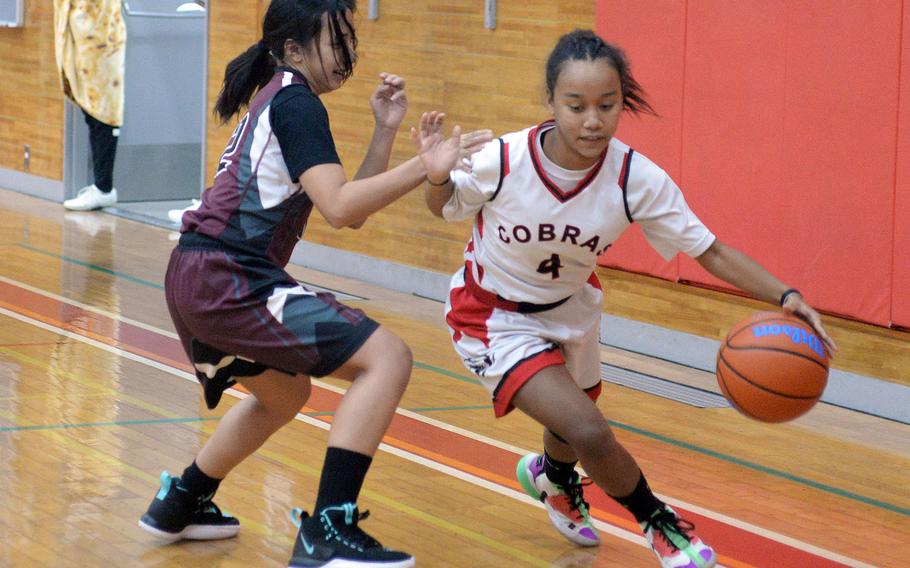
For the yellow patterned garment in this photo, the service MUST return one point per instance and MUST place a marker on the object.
(90, 42)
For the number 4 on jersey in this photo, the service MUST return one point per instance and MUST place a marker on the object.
(550, 266)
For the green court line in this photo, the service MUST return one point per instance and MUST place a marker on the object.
(92, 266)
(200, 419)
(126, 423)
(100, 424)
(106, 270)
(764, 469)
(450, 374)
(724, 457)
(678, 443)
(446, 408)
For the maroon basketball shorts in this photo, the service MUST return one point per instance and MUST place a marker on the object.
(238, 315)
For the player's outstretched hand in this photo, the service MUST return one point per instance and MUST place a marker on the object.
(471, 142)
(389, 101)
(795, 304)
(438, 153)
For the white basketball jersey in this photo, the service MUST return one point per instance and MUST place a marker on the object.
(534, 241)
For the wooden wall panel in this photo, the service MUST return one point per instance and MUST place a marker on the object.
(31, 100)
(233, 26)
(479, 77)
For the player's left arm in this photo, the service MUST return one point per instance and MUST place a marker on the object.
(739, 269)
(389, 103)
(657, 204)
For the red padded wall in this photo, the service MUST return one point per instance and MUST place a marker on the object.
(900, 299)
(655, 46)
(788, 135)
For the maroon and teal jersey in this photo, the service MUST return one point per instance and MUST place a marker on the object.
(256, 205)
(235, 308)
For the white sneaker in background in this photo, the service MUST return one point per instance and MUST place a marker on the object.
(89, 198)
(176, 215)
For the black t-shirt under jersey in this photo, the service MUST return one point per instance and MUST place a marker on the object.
(301, 125)
(255, 204)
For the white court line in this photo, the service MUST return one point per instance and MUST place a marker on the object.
(769, 534)
(88, 308)
(606, 527)
(462, 475)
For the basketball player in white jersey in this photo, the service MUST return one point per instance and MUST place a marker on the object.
(524, 311)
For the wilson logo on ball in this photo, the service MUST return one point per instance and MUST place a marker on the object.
(797, 335)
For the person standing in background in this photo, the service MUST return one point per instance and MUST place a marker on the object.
(90, 49)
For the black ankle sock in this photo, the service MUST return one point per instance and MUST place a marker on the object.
(641, 502)
(342, 477)
(558, 472)
(197, 484)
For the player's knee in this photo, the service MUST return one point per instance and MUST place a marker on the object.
(588, 438)
(297, 397)
(399, 357)
(283, 404)
(392, 361)
(283, 414)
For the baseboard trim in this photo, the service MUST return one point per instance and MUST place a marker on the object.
(33, 185)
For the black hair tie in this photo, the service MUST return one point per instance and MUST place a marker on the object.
(786, 294)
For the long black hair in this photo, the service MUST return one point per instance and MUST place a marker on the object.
(299, 20)
(586, 45)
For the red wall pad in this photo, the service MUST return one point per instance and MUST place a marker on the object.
(900, 304)
(788, 135)
(653, 37)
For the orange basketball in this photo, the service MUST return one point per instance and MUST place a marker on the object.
(772, 367)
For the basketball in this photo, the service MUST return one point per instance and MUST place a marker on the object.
(772, 367)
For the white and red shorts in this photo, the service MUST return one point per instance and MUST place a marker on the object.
(505, 343)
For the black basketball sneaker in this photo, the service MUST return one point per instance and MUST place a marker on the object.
(333, 539)
(174, 515)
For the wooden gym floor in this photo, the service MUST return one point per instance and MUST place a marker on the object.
(96, 399)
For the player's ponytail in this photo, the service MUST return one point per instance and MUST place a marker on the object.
(587, 45)
(243, 76)
(300, 21)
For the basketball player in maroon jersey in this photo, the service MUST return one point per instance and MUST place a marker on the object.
(243, 319)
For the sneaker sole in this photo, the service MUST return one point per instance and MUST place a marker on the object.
(345, 563)
(521, 472)
(79, 208)
(556, 519)
(192, 532)
(709, 564)
(524, 478)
